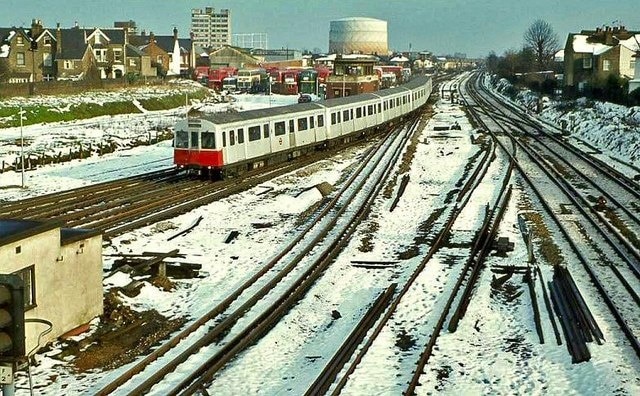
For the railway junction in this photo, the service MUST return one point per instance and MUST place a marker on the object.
(390, 281)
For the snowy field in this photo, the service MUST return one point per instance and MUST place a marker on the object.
(539, 370)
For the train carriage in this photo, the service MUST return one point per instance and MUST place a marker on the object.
(228, 143)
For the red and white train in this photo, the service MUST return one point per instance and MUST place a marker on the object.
(225, 144)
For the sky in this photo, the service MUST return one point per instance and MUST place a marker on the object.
(474, 27)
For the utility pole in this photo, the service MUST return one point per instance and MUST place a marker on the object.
(21, 147)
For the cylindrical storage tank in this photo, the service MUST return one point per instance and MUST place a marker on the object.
(358, 36)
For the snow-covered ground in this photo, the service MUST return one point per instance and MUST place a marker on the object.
(226, 265)
(611, 128)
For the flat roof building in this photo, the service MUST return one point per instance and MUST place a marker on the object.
(61, 269)
(211, 29)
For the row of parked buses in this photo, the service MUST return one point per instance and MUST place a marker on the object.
(226, 144)
(284, 81)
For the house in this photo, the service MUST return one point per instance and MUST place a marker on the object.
(43, 54)
(596, 54)
(61, 269)
(171, 55)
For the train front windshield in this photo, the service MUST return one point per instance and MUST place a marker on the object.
(181, 139)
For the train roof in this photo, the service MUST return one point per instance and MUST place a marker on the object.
(226, 118)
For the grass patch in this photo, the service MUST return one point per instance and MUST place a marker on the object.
(548, 249)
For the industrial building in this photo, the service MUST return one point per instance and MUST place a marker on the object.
(211, 29)
(358, 36)
(61, 269)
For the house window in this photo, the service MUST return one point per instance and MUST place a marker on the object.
(100, 54)
(632, 64)
(606, 65)
(47, 59)
(132, 62)
(46, 40)
(28, 276)
(159, 59)
(117, 55)
(587, 63)
(19, 40)
(68, 64)
(20, 58)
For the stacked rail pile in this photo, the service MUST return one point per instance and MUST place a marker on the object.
(578, 324)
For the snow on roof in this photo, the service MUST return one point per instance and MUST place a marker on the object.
(559, 56)
(580, 44)
(399, 59)
(632, 43)
(4, 50)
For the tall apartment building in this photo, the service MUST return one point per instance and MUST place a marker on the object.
(211, 29)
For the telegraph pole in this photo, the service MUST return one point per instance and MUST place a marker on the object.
(21, 147)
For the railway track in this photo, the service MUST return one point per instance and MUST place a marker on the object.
(616, 286)
(295, 271)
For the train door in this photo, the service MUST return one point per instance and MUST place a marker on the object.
(279, 140)
(292, 133)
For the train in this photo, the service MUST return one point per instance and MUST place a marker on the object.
(223, 145)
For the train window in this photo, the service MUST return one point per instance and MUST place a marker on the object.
(404, 100)
(194, 140)
(182, 139)
(302, 124)
(379, 108)
(351, 114)
(338, 114)
(224, 139)
(385, 106)
(291, 126)
(370, 110)
(279, 128)
(254, 133)
(265, 128)
(397, 101)
(345, 115)
(391, 104)
(240, 136)
(333, 119)
(232, 138)
(311, 122)
(359, 112)
(320, 120)
(208, 140)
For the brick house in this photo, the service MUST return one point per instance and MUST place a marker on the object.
(173, 55)
(42, 54)
(596, 54)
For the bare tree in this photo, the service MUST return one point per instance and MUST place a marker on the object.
(541, 38)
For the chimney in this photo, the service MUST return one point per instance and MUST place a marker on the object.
(175, 33)
(36, 28)
(58, 39)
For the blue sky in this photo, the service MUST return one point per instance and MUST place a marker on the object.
(474, 27)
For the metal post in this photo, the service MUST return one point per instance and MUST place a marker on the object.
(21, 147)
(344, 83)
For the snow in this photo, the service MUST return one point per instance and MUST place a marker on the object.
(580, 44)
(269, 367)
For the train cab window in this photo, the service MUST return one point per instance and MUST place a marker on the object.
(194, 140)
(208, 140)
(359, 112)
(320, 120)
(265, 130)
(254, 133)
(224, 139)
(232, 138)
(345, 115)
(182, 139)
(280, 128)
(302, 124)
(240, 136)
(312, 120)
(379, 108)
(291, 126)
